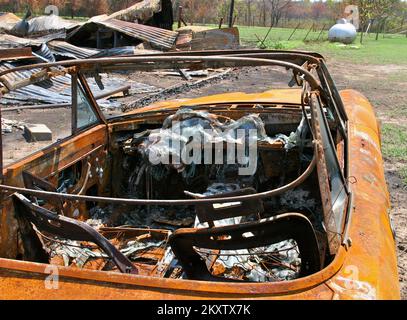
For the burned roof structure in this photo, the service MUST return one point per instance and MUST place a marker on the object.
(154, 13)
(51, 38)
(25, 88)
(8, 21)
(106, 32)
(157, 13)
(50, 24)
(147, 22)
(35, 27)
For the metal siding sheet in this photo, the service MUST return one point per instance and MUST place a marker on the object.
(50, 23)
(58, 89)
(161, 38)
(10, 41)
(143, 10)
(68, 50)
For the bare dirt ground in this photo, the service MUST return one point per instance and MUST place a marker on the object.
(384, 86)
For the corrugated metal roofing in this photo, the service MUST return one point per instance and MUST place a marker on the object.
(45, 54)
(123, 51)
(68, 50)
(58, 89)
(49, 24)
(9, 41)
(143, 10)
(161, 38)
(64, 49)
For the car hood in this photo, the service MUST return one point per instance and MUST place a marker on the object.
(284, 96)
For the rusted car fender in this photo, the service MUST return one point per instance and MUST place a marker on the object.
(370, 266)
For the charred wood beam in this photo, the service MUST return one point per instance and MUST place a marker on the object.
(15, 53)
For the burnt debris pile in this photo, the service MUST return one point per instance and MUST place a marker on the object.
(143, 28)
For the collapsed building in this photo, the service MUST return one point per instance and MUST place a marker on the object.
(144, 28)
(147, 22)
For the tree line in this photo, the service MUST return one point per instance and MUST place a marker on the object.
(288, 13)
(69, 8)
(278, 13)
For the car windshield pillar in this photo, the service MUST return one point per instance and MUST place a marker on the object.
(74, 101)
(85, 111)
(333, 187)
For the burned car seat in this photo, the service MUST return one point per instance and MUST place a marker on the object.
(64, 227)
(184, 243)
(35, 183)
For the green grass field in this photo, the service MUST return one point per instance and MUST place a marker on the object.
(392, 48)
(388, 50)
(395, 146)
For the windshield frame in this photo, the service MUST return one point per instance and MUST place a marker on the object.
(311, 67)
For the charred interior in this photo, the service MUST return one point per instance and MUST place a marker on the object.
(265, 240)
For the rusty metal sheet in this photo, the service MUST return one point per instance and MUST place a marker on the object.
(213, 39)
(15, 54)
(142, 10)
(10, 41)
(50, 24)
(8, 21)
(158, 37)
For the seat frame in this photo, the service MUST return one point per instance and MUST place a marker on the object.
(49, 222)
(235, 237)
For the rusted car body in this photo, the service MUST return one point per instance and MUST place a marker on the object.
(345, 240)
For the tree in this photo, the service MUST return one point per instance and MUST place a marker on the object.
(249, 12)
(318, 10)
(335, 9)
(277, 8)
(264, 10)
(376, 10)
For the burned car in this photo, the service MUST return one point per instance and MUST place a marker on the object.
(273, 195)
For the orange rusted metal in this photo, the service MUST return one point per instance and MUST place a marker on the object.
(367, 269)
(365, 266)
